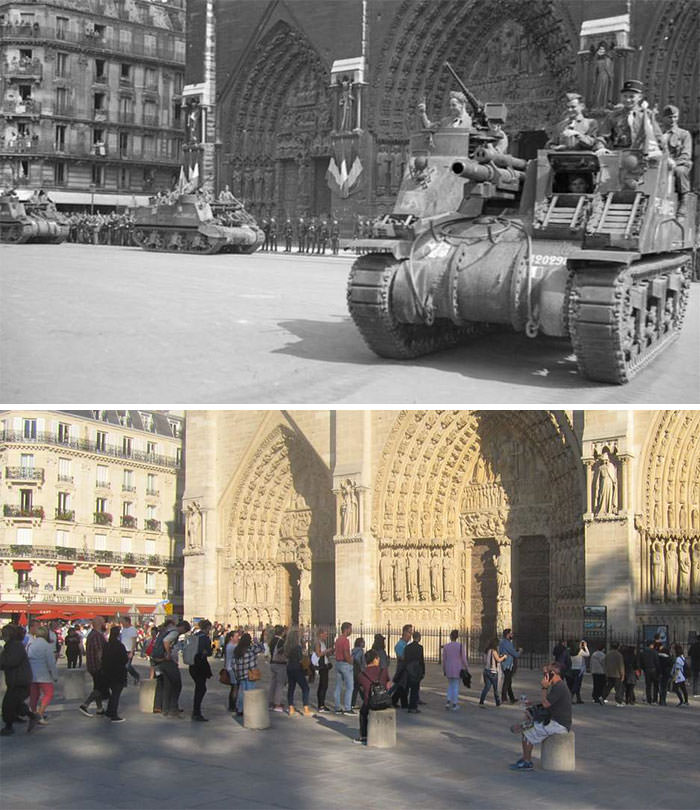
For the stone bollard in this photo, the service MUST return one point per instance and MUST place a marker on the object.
(381, 728)
(147, 694)
(559, 752)
(255, 712)
(74, 686)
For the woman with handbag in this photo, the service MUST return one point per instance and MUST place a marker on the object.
(372, 675)
(454, 660)
(295, 673)
(319, 659)
(229, 646)
(245, 668)
(491, 661)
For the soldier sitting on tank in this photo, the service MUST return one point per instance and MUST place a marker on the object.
(459, 118)
(226, 195)
(632, 126)
(575, 131)
(679, 144)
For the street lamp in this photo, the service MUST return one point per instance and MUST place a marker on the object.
(29, 589)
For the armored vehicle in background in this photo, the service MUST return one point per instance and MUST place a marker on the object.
(32, 220)
(479, 240)
(188, 224)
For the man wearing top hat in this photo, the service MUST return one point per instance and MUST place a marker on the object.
(631, 126)
(575, 131)
(680, 149)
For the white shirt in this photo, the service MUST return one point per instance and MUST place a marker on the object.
(128, 638)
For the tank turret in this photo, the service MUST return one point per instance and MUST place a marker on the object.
(32, 220)
(569, 244)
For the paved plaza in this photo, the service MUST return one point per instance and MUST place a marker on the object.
(82, 323)
(632, 757)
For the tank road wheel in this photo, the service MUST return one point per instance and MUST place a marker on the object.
(154, 241)
(138, 237)
(621, 318)
(12, 233)
(199, 243)
(368, 296)
(176, 242)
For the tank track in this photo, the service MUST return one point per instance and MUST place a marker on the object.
(612, 335)
(368, 297)
(161, 240)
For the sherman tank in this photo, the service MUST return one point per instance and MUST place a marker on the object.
(35, 220)
(189, 224)
(480, 240)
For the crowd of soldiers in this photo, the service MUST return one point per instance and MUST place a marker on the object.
(311, 235)
(101, 229)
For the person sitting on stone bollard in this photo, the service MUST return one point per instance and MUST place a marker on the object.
(372, 674)
(556, 698)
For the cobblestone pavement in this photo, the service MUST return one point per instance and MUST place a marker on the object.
(633, 757)
(262, 329)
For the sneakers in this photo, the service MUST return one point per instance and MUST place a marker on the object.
(349, 711)
(42, 721)
(83, 709)
(117, 720)
(455, 707)
(339, 711)
(278, 709)
(323, 709)
(619, 705)
(522, 765)
(360, 740)
(100, 713)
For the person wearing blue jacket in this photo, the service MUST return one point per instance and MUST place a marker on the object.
(507, 648)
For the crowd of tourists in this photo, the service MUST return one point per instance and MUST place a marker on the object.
(299, 663)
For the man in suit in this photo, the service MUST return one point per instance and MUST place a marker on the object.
(631, 126)
(679, 144)
(575, 131)
(415, 671)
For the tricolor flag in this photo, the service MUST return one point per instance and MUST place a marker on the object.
(341, 180)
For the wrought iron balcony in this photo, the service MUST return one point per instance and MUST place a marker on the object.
(128, 488)
(103, 519)
(154, 493)
(152, 525)
(18, 512)
(21, 108)
(151, 120)
(66, 479)
(103, 485)
(23, 68)
(102, 555)
(82, 555)
(128, 522)
(24, 474)
(67, 515)
(17, 437)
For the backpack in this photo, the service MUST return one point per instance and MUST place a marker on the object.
(148, 651)
(158, 651)
(190, 649)
(379, 697)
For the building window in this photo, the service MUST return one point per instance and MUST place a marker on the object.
(149, 45)
(101, 441)
(99, 31)
(24, 537)
(98, 140)
(63, 433)
(61, 28)
(125, 584)
(126, 545)
(101, 507)
(150, 115)
(98, 176)
(151, 448)
(61, 101)
(126, 110)
(151, 484)
(25, 500)
(100, 542)
(123, 144)
(147, 420)
(127, 507)
(26, 462)
(59, 174)
(100, 69)
(99, 106)
(124, 177)
(151, 77)
(22, 577)
(61, 64)
(62, 538)
(125, 73)
(62, 580)
(149, 146)
(102, 479)
(63, 505)
(150, 512)
(64, 470)
(99, 584)
(177, 114)
(126, 446)
(128, 482)
(150, 582)
(29, 428)
(150, 547)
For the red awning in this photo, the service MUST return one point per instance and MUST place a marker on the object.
(145, 608)
(128, 572)
(22, 565)
(67, 611)
(103, 570)
(69, 568)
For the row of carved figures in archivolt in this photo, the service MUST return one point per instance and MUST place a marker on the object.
(417, 575)
(255, 584)
(675, 570)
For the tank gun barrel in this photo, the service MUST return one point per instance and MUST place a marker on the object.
(476, 105)
(486, 172)
(485, 154)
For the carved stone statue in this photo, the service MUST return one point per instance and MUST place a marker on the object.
(346, 102)
(349, 509)
(606, 485)
(657, 571)
(412, 571)
(695, 572)
(385, 575)
(423, 575)
(447, 578)
(603, 78)
(502, 576)
(399, 578)
(671, 571)
(238, 584)
(436, 575)
(193, 526)
(684, 571)
(270, 585)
